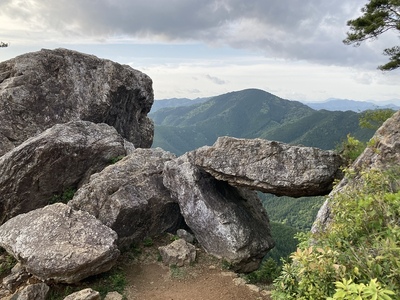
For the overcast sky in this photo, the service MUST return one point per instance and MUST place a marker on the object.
(200, 48)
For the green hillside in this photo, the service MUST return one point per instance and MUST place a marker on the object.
(252, 113)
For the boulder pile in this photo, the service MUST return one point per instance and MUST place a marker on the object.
(74, 124)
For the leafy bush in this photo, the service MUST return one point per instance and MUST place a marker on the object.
(360, 251)
(351, 148)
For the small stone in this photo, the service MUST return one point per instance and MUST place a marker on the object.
(86, 294)
(229, 274)
(183, 234)
(178, 253)
(113, 296)
(15, 279)
(239, 281)
(212, 267)
(36, 291)
(265, 293)
(253, 288)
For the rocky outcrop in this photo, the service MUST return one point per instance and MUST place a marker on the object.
(48, 87)
(178, 253)
(228, 222)
(269, 166)
(382, 154)
(130, 197)
(38, 171)
(57, 243)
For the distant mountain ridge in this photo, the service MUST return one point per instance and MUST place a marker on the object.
(334, 104)
(252, 113)
(175, 102)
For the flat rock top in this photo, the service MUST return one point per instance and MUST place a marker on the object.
(269, 166)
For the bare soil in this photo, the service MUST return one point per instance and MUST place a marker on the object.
(206, 279)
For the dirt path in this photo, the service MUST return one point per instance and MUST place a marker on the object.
(149, 279)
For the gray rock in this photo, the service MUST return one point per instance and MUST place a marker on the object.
(228, 222)
(57, 243)
(269, 166)
(183, 234)
(17, 277)
(130, 197)
(36, 291)
(382, 154)
(178, 253)
(113, 296)
(86, 294)
(48, 87)
(40, 170)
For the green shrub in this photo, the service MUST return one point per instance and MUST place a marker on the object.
(64, 197)
(7, 263)
(351, 148)
(116, 159)
(361, 249)
(148, 242)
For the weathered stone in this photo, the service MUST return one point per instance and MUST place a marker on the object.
(269, 166)
(183, 234)
(36, 291)
(18, 276)
(48, 87)
(382, 154)
(228, 222)
(41, 169)
(113, 296)
(130, 197)
(57, 243)
(86, 294)
(178, 253)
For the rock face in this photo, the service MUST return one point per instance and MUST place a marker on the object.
(48, 87)
(130, 197)
(61, 158)
(178, 253)
(57, 243)
(269, 166)
(382, 155)
(228, 222)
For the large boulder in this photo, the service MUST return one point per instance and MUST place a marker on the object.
(228, 222)
(48, 87)
(59, 244)
(40, 170)
(130, 197)
(269, 166)
(382, 154)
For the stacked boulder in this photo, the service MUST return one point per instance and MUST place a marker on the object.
(73, 122)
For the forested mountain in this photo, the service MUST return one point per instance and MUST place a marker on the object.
(252, 113)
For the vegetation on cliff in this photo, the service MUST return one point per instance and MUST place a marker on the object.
(359, 256)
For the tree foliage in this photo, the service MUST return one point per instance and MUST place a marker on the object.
(378, 17)
(373, 119)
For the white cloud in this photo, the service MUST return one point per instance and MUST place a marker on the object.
(290, 47)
